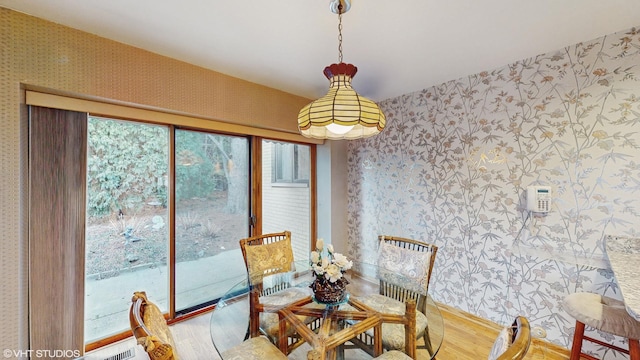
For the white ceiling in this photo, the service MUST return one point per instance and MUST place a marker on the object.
(399, 46)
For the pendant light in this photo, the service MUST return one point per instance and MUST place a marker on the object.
(341, 113)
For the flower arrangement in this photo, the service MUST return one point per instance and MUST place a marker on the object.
(329, 265)
(329, 285)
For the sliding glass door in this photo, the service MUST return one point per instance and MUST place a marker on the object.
(128, 216)
(167, 202)
(127, 234)
(212, 214)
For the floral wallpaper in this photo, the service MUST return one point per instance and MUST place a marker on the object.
(453, 165)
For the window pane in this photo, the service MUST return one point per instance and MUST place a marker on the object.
(287, 206)
(286, 162)
(212, 214)
(302, 163)
(127, 236)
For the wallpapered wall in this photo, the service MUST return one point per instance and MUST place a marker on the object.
(454, 163)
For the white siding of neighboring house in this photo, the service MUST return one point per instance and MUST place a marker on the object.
(285, 208)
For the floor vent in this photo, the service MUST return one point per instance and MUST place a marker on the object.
(127, 354)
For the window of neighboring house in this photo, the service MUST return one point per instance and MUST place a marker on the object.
(290, 164)
(287, 205)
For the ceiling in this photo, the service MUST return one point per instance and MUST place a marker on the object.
(399, 46)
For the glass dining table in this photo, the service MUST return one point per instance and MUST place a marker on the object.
(285, 311)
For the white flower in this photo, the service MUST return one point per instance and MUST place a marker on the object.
(318, 269)
(327, 264)
(330, 248)
(342, 262)
(333, 273)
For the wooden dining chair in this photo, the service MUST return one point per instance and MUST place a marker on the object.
(269, 261)
(267, 255)
(513, 341)
(150, 328)
(405, 267)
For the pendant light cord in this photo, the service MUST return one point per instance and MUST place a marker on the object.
(340, 33)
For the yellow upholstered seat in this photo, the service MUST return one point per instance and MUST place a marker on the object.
(257, 348)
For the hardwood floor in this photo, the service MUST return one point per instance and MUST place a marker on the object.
(466, 338)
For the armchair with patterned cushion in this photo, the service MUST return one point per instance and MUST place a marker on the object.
(404, 267)
(270, 264)
(150, 328)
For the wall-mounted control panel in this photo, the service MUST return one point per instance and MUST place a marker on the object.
(539, 198)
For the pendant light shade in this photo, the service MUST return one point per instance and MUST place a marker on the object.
(342, 113)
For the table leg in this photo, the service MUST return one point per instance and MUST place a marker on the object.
(340, 352)
(410, 328)
(377, 340)
(283, 338)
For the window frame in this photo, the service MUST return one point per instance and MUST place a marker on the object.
(277, 165)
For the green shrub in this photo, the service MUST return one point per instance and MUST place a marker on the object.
(126, 165)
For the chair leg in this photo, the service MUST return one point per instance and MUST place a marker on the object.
(427, 341)
(576, 347)
(634, 349)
